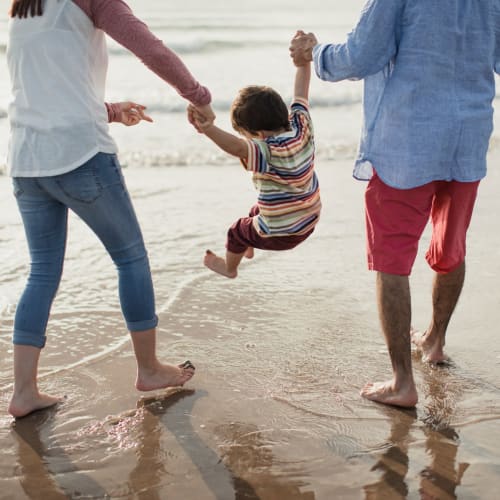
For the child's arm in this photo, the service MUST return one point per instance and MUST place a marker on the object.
(229, 143)
(302, 81)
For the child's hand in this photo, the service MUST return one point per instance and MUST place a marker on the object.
(200, 117)
(301, 47)
(132, 113)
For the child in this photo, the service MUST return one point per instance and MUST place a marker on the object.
(278, 148)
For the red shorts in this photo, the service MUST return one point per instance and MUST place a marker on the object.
(242, 234)
(396, 218)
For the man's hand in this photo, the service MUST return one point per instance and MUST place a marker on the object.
(132, 113)
(301, 47)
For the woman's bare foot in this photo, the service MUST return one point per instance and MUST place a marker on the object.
(431, 352)
(24, 404)
(249, 253)
(163, 376)
(386, 393)
(218, 265)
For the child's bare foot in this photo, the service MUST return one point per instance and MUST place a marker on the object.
(218, 265)
(163, 376)
(431, 352)
(386, 393)
(249, 253)
(24, 404)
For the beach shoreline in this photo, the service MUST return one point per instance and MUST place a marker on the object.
(281, 352)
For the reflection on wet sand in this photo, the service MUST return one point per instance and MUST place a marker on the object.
(394, 462)
(247, 452)
(240, 469)
(42, 466)
(440, 478)
(223, 475)
(172, 413)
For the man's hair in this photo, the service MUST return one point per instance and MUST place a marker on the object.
(21, 8)
(258, 108)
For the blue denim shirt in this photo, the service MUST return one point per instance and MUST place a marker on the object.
(428, 68)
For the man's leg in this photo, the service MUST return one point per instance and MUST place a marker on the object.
(445, 294)
(451, 215)
(395, 221)
(394, 304)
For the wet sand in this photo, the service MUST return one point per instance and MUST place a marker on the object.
(281, 352)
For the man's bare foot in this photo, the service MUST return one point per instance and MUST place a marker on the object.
(386, 393)
(431, 352)
(218, 264)
(249, 253)
(23, 404)
(163, 376)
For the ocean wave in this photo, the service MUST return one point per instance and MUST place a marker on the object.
(224, 105)
(327, 150)
(199, 46)
(194, 157)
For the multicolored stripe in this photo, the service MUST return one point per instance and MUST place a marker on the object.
(283, 174)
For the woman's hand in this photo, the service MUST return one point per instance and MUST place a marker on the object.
(132, 113)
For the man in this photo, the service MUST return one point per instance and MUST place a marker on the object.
(428, 70)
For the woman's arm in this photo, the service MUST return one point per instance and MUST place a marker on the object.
(116, 19)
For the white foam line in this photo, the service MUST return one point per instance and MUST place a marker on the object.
(193, 279)
(120, 343)
(87, 359)
(8, 342)
(188, 281)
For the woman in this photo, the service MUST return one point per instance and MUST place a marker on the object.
(61, 158)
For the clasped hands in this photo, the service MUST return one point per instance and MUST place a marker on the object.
(301, 47)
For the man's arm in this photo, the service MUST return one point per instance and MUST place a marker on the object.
(496, 21)
(369, 47)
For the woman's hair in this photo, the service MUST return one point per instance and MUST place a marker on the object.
(258, 108)
(21, 8)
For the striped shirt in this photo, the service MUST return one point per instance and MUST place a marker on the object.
(283, 174)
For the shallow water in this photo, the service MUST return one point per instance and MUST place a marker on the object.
(281, 353)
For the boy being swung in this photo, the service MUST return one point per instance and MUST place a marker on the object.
(278, 147)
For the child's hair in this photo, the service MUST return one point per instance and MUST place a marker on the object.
(258, 108)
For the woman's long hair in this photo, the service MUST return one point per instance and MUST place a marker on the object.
(23, 8)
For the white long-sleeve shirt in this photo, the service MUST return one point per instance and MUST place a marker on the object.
(58, 63)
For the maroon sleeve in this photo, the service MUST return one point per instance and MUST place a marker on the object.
(117, 20)
(114, 112)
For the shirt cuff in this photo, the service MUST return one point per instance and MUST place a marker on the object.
(114, 112)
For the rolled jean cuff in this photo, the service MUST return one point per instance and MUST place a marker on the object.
(139, 326)
(28, 338)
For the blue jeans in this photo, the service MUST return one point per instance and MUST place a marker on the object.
(96, 192)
